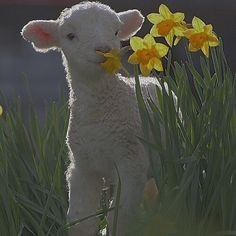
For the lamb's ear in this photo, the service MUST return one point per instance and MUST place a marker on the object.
(132, 21)
(43, 34)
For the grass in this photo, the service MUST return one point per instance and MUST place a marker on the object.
(33, 194)
(195, 178)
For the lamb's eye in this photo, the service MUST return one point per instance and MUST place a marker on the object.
(116, 33)
(70, 36)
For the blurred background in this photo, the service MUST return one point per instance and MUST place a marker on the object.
(23, 70)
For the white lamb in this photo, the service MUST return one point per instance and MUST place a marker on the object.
(104, 119)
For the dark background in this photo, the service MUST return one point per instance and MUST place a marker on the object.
(20, 64)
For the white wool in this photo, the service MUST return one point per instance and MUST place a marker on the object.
(104, 119)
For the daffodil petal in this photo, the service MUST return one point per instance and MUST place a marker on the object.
(189, 32)
(113, 53)
(213, 44)
(107, 66)
(150, 64)
(178, 16)
(208, 29)
(157, 64)
(110, 55)
(179, 31)
(155, 18)
(205, 49)
(164, 11)
(177, 39)
(162, 49)
(133, 59)
(170, 37)
(149, 40)
(144, 70)
(213, 41)
(154, 31)
(198, 24)
(136, 43)
(191, 48)
(100, 53)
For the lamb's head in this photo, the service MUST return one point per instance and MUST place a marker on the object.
(82, 30)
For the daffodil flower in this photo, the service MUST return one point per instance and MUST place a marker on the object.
(167, 24)
(147, 53)
(1, 110)
(201, 36)
(112, 64)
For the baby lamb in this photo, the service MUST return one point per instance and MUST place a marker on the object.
(104, 119)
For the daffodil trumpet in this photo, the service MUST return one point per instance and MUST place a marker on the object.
(112, 63)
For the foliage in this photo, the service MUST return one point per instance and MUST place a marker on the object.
(197, 155)
(33, 195)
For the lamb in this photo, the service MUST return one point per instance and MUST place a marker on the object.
(104, 119)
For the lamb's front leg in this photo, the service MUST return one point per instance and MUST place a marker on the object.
(84, 197)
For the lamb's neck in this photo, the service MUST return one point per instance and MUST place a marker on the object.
(94, 97)
(85, 88)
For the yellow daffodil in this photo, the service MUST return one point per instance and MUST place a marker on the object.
(147, 53)
(167, 24)
(201, 36)
(112, 64)
(1, 110)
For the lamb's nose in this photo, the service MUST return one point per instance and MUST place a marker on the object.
(103, 49)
